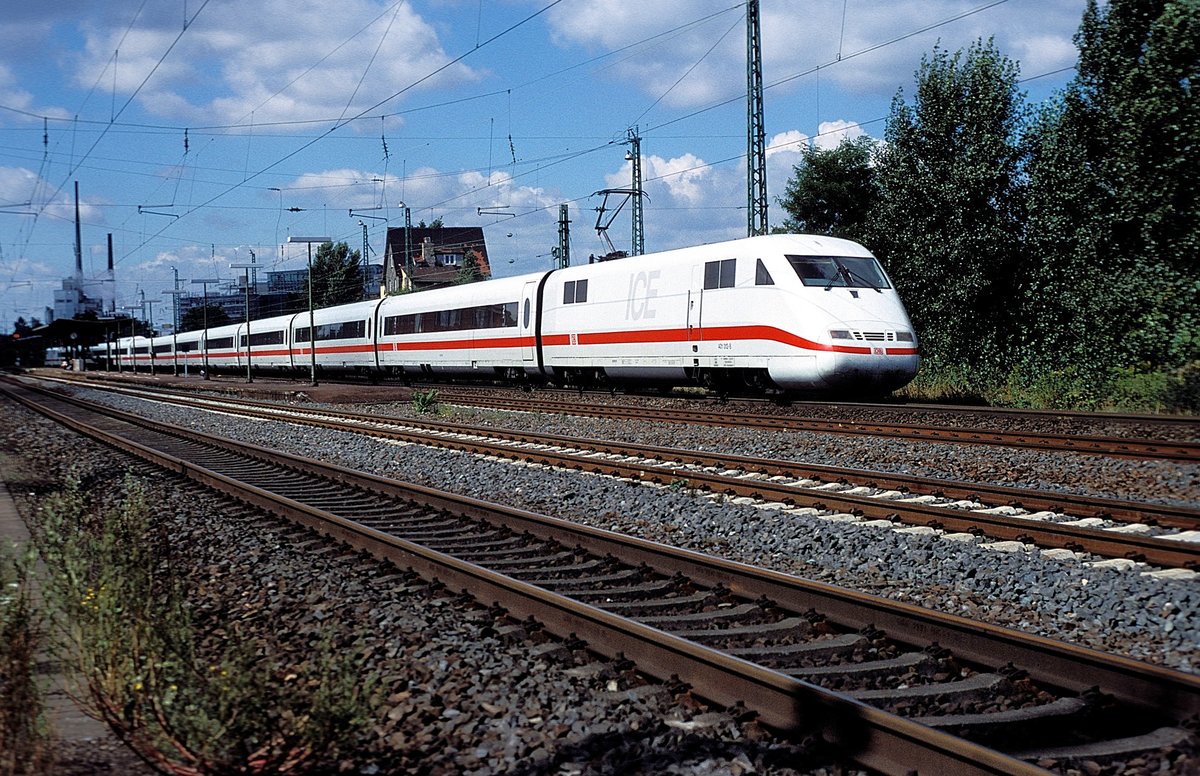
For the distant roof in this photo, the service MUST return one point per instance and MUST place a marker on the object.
(445, 239)
(86, 330)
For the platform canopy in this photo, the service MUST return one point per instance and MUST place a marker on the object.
(82, 332)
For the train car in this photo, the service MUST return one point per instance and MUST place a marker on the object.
(269, 345)
(218, 344)
(188, 352)
(344, 338)
(797, 312)
(483, 329)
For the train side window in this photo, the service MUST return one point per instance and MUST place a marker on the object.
(526, 314)
(719, 274)
(762, 277)
(575, 291)
(264, 338)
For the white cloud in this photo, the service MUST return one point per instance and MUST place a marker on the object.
(830, 134)
(21, 189)
(797, 40)
(684, 178)
(310, 67)
(13, 96)
(10, 93)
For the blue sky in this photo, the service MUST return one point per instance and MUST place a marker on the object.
(202, 130)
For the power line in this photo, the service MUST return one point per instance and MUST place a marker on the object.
(815, 68)
(341, 123)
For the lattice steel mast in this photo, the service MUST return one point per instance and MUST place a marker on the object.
(756, 135)
(634, 155)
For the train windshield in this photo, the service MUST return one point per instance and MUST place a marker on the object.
(839, 271)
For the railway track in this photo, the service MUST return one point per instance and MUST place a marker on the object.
(1122, 447)
(1136, 532)
(897, 687)
(937, 412)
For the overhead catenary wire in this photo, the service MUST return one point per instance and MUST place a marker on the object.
(342, 123)
(517, 173)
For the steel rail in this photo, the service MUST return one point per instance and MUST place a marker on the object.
(1165, 515)
(1119, 447)
(897, 405)
(1157, 551)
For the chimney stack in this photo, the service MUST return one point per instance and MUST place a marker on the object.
(78, 239)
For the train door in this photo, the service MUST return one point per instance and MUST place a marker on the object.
(528, 322)
(695, 302)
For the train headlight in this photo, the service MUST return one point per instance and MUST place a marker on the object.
(904, 336)
(839, 334)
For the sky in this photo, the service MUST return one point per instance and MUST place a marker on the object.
(201, 132)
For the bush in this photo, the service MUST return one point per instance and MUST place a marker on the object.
(24, 731)
(1033, 388)
(1138, 390)
(425, 402)
(186, 705)
(947, 384)
(1183, 393)
(1127, 389)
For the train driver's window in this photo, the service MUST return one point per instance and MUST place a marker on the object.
(813, 270)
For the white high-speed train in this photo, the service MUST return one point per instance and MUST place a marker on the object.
(795, 312)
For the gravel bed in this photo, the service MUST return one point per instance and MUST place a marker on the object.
(459, 697)
(1123, 612)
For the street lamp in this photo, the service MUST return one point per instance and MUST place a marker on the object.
(175, 294)
(132, 336)
(149, 303)
(247, 267)
(204, 282)
(312, 329)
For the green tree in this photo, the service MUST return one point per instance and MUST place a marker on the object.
(23, 328)
(1114, 222)
(949, 219)
(832, 191)
(336, 275)
(194, 318)
(470, 271)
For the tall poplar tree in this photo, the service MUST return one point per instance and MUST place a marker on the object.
(832, 191)
(1114, 228)
(336, 275)
(948, 224)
